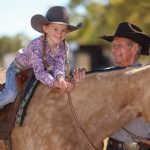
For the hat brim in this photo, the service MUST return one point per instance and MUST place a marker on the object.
(37, 22)
(140, 38)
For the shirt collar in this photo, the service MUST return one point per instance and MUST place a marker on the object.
(136, 64)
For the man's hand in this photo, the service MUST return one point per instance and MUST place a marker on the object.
(79, 74)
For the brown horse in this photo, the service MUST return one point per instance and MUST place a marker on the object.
(103, 103)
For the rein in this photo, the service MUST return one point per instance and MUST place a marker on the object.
(78, 123)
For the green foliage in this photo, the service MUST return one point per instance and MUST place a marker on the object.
(103, 18)
(11, 44)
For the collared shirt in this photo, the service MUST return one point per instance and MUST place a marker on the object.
(32, 57)
(138, 126)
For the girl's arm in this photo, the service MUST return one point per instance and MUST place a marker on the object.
(39, 70)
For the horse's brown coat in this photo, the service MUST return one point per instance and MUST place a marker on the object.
(103, 102)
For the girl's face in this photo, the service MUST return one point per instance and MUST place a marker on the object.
(56, 32)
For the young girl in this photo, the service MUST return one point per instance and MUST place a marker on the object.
(46, 54)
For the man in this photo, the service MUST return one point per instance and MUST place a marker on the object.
(128, 43)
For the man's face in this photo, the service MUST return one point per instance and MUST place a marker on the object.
(124, 51)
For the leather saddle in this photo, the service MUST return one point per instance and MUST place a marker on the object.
(8, 112)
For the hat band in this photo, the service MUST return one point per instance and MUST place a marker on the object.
(59, 22)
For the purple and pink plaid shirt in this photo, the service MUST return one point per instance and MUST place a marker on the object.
(32, 57)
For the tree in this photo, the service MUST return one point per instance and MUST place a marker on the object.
(11, 44)
(102, 18)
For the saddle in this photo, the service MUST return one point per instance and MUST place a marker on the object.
(8, 112)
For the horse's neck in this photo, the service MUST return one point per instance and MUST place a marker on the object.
(105, 102)
(89, 101)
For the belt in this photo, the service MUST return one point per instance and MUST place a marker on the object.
(18, 65)
(131, 145)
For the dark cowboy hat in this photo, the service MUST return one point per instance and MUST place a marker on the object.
(56, 14)
(132, 32)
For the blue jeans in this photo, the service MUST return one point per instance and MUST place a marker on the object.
(9, 93)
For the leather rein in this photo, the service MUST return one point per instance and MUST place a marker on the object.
(78, 123)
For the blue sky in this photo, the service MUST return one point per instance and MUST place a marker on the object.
(15, 15)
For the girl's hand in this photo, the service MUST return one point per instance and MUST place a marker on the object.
(70, 86)
(79, 74)
(62, 84)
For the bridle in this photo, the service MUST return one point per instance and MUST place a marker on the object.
(78, 123)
